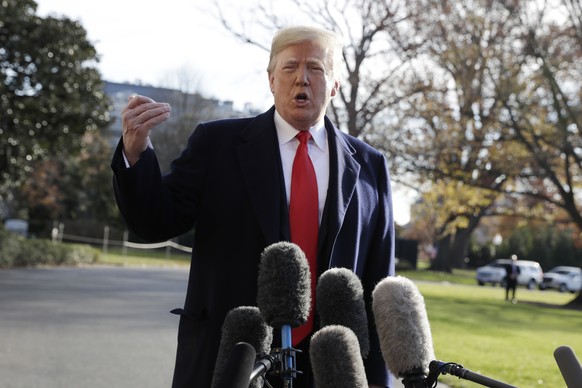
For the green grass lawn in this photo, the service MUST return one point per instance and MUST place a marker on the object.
(459, 276)
(471, 325)
(514, 343)
(144, 258)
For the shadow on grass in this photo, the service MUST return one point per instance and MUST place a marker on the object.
(574, 305)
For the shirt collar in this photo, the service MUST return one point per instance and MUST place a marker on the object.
(286, 132)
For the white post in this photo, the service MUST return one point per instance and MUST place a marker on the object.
(105, 239)
(55, 233)
(61, 230)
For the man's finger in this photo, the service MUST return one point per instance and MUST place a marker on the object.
(136, 99)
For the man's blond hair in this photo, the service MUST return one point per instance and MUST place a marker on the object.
(328, 40)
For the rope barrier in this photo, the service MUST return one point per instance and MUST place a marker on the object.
(158, 245)
(128, 244)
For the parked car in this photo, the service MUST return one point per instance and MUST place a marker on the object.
(563, 278)
(493, 273)
(530, 273)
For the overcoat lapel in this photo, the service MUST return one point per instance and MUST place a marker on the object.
(344, 172)
(259, 159)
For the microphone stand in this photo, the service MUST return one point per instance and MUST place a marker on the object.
(438, 367)
(281, 361)
(287, 353)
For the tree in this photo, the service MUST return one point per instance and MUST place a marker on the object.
(70, 187)
(462, 129)
(454, 211)
(542, 111)
(542, 114)
(51, 94)
(447, 132)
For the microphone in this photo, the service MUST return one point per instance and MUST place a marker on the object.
(405, 337)
(239, 366)
(438, 367)
(284, 295)
(335, 358)
(403, 328)
(340, 301)
(242, 324)
(569, 366)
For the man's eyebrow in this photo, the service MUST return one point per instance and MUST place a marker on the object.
(308, 60)
(315, 61)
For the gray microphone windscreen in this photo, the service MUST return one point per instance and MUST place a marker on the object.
(569, 366)
(403, 326)
(242, 324)
(335, 359)
(339, 300)
(284, 285)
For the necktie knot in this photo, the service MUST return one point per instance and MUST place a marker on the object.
(303, 137)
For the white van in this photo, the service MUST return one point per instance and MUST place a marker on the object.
(530, 273)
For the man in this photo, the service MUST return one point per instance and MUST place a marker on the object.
(233, 183)
(512, 272)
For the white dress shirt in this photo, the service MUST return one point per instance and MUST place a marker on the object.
(318, 153)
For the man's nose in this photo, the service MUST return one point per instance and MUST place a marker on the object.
(302, 77)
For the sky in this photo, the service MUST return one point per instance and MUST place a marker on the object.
(151, 42)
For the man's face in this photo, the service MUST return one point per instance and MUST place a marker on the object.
(302, 84)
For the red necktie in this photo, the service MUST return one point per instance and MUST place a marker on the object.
(304, 220)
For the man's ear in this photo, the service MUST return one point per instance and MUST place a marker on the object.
(335, 88)
(271, 82)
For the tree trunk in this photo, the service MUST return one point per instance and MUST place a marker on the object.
(460, 248)
(463, 238)
(442, 260)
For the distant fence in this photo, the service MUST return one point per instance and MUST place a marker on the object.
(105, 242)
(406, 250)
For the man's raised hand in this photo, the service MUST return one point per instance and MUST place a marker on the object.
(138, 118)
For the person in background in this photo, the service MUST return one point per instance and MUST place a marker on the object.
(512, 272)
(235, 183)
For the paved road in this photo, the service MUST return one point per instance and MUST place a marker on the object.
(89, 327)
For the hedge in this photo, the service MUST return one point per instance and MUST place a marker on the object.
(17, 251)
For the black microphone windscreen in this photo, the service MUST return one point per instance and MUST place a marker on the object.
(284, 285)
(242, 324)
(403, 326)
(239, 367)
(335, 359)
(569, 366)
(339, 300)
